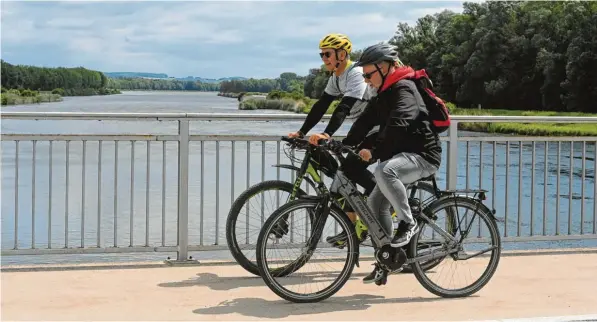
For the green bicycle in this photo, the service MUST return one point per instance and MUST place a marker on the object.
(242, 247)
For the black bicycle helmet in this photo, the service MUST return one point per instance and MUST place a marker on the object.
(373, 55)
(377, 53)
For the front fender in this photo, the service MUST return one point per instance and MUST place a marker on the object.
(286, 166)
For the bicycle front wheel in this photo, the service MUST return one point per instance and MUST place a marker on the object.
(247, 214)
(332, 260)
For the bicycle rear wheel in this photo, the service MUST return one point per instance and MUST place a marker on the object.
(345, 264)
(475, 212)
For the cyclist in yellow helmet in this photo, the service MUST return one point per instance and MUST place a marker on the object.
(346, 81)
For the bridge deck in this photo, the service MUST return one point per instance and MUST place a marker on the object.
(523, 287)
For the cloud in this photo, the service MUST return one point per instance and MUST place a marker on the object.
(201, 38)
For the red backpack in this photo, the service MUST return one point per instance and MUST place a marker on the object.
(438, 112)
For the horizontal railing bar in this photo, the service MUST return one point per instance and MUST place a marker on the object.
(154, 116)
(225, 137)
(90, 250)
(156, 249)
(21, 115)
(87, 137)
(115, 250)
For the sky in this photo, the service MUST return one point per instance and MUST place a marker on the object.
(210, 39)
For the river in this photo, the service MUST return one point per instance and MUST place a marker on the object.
(210, 102)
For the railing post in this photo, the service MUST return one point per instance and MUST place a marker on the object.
(182, 255)
(451, 170)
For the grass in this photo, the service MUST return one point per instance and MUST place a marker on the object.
(284, 104)
(537, 129)
(14, 98)
(304, 105)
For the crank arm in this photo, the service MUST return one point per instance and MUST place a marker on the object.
(433, 255)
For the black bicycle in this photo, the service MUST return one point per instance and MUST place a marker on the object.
(443, 244)
(252, 207)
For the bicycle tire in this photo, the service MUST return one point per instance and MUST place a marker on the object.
(344, 222)
(484, 213)
(234, 212)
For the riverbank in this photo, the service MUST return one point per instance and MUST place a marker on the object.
(239, 96)
(539, 129)
(16, 97)
(283, 103)
(27, 96)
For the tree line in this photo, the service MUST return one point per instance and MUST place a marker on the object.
(507, 55)
(61, 80)
(510, 55)
(128, 83)
(288, 82)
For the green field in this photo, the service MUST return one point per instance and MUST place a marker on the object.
(539, 129)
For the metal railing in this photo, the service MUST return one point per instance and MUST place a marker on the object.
(57, 210)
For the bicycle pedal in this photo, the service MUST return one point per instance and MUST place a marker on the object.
(381, 282)
(396, 271)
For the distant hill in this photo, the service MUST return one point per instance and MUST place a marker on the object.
(135, 75)
(165, 76)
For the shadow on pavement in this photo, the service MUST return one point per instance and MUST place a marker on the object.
(260, 308)
(216, 283)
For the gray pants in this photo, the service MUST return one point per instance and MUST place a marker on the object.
(392, 175)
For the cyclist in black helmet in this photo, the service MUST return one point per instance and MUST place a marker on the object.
(407, 149)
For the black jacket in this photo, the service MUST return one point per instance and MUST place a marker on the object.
(401, 114)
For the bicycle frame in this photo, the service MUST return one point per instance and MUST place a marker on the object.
(342, 186)
(307, 171)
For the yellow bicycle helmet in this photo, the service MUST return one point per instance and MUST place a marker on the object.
(336, 41)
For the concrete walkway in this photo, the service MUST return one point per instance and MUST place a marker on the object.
(523, 287)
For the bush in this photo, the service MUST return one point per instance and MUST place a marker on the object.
(28, 93)
(59, 91)
(272, 104)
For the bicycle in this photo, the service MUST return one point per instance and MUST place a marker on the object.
(309, 172)
(392, 259)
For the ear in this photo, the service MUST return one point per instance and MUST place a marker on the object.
(342, 54)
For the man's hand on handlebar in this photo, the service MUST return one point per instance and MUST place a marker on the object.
(338, 146)
(365, 154)
(314, 138)
(297, 134)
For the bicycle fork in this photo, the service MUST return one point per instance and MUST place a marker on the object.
(322, 212)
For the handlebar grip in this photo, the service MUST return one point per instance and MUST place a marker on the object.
(323, 142)
(295, 141)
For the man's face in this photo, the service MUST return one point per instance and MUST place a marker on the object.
(328, 56)
(372, 75)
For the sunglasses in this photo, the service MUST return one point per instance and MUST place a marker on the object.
(326, 54)
(370, 74)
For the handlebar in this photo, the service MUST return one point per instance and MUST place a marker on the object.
(337, 147)
(334, 146)
(295, 141)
